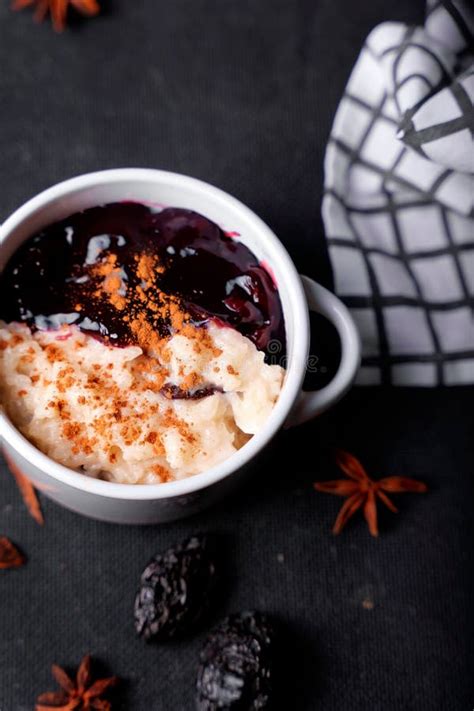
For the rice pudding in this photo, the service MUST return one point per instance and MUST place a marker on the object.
(133, 343)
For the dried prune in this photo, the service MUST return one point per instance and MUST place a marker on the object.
(175, 590)
(235, 669)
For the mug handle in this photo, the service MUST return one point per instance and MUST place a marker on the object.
(312, 403)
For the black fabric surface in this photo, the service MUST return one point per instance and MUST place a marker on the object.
(241, 94)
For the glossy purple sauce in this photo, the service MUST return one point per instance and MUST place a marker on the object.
(215, 276)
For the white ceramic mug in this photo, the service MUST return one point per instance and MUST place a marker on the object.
(128, 503)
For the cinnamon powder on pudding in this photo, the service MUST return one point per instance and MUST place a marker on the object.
(147, 305)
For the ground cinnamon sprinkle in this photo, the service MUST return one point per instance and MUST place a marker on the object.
(151, 314)
(61, 407)
(112, 286)
(147, 266)
(191, 381)
(159, 448)
(70, 430)
(162, 472)
(171, 420)
(28, 357)
(65, 379)
(147, 337)
(150, 374)
(53, 353)
(106, 265)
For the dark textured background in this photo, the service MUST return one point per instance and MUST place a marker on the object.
(241, 94)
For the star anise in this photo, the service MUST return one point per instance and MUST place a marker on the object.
(361, 490)
(82, 694)
(27, 490)
(58, 9)
(10, 556)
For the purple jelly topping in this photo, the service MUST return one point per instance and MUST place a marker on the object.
(215, 276)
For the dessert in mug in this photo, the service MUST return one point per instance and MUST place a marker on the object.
(133, 342)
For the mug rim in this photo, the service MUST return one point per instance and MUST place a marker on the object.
(295, 370)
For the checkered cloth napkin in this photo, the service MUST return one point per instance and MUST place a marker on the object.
(398, 204)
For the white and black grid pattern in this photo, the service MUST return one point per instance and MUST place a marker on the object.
(398, 201)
